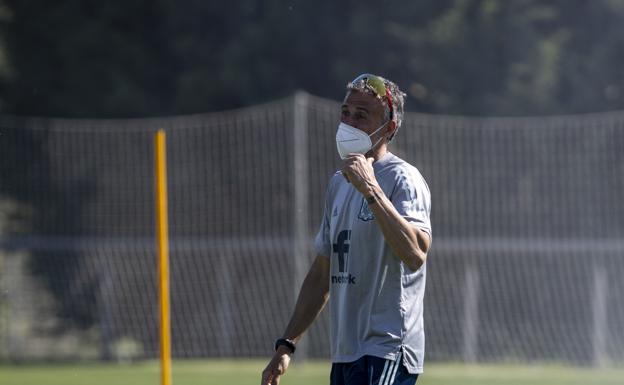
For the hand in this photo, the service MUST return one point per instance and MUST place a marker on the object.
(358, 170)
(276, 367)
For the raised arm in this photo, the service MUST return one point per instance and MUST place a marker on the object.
(406, 241)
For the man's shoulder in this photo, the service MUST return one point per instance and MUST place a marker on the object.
(397, 168)
(335, 181)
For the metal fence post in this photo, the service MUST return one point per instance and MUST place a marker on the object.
(300, 189)
(471, 313)
(599, 310)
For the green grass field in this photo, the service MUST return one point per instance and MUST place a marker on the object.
(247, 372)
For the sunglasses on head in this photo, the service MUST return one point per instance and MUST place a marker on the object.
(374, 84)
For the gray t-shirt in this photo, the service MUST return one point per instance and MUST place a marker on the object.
(376, 301)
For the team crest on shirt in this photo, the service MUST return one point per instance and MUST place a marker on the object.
(365, 213)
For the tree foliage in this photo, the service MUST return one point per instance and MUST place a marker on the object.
(143, 58)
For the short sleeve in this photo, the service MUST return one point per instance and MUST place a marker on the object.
(412, 199)
(322, 243)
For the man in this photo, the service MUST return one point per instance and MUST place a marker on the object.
(371, 251)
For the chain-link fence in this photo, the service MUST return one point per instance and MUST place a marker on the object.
(527, 222)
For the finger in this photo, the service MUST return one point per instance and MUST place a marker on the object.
(370, 161)
(268, 376)
(273, 378)
(349, 160)
(353, 156)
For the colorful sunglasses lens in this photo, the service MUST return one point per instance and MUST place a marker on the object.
(374, 83)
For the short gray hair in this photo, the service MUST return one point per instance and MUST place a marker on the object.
(393, 101)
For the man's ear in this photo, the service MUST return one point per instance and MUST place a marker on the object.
(390, 129)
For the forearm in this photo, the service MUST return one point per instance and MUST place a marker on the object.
(405, 240)
(312, 298)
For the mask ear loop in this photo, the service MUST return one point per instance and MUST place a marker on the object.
(376, 131)
(389, 97)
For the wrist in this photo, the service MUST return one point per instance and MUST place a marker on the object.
(285, 346)
(281, 350)
(371, 195)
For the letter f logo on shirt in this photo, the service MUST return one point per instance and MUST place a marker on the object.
(342, 248)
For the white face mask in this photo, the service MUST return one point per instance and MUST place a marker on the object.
(351, 140)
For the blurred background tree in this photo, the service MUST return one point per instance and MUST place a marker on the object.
(137, 58)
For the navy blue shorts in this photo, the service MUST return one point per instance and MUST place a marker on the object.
(370, 370)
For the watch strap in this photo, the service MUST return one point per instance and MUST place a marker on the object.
(290, 344)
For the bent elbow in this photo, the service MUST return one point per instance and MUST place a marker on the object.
(416, 260)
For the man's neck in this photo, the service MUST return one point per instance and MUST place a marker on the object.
(378, 152)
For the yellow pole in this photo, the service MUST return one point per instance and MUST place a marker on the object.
(163, 256)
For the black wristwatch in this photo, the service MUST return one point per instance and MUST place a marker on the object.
(290, 344)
